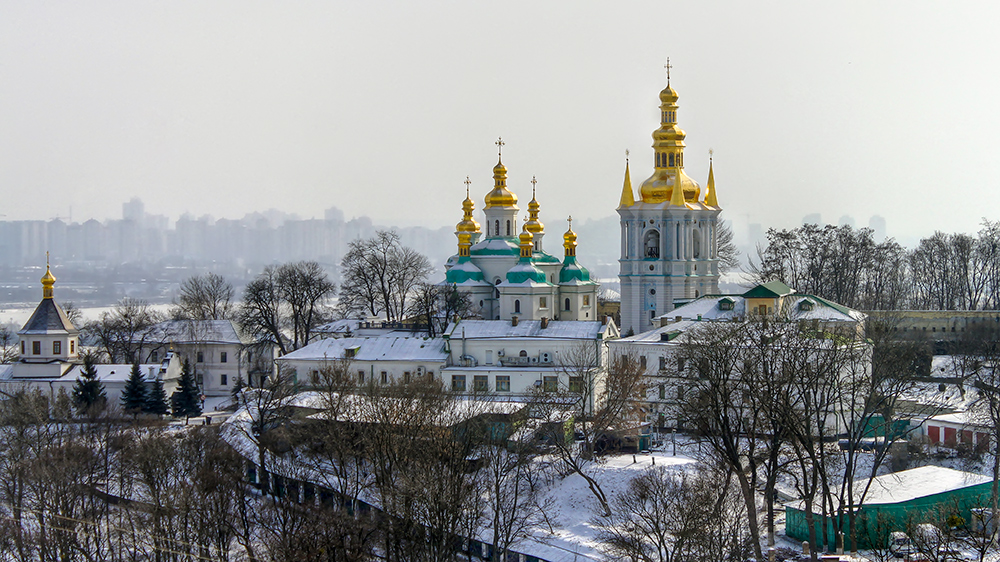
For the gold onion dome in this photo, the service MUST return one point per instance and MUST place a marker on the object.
(526, 237)
(533, 225)
(48, 281)
(468, 223)
(668, 94)
(569, 239)
(500, 196)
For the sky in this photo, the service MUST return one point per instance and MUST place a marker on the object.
(382, 108)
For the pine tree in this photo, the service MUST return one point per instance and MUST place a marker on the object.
(88, 393)
(134, 393)
(238, 387)
(186, 401)
(156, 400)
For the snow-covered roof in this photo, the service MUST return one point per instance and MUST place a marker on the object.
(48, 318)
(797, 307)
(908, 485)
(381, 348)
(919, 482)
(193, 331)
(6, 372)
(557, 329)
(342, 326)
(114, 373)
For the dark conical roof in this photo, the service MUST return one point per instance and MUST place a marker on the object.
(49, 318)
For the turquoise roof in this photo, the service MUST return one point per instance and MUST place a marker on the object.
(525, 271)
(771, 289)
(544, 257)
(464, 271)
(572, 271)
(496, 247)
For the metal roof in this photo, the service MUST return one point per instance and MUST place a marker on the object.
(380, 348)
(488, 329)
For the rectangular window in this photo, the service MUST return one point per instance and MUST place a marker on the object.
(224, 380)
(642, 361)
(663, 392)
(586, 300)
(22, 347)
(576, 384)
(663, 363)
(680, 364)
(458, 383)
(385, 377)
(223, 357)
(314, 376)
(503, 383)
(36, 348)
(56, 347)
(361, 377)
(480, 383)
(154, 357)
(406, 377)
(201, 357)
(72, 346)
(543, 302)
(550, 384)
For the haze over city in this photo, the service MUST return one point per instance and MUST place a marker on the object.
(383, 109)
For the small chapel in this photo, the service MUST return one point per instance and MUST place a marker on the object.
(507, 273)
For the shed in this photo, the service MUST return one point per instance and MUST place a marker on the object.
(898, 496)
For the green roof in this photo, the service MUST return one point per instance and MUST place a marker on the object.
(572, 271)
(769, 290)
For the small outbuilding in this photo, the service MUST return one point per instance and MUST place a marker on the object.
(898, 497)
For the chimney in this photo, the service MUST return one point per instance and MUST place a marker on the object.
(545, 322)
(513, 320)
(678, 318)
(604, 320)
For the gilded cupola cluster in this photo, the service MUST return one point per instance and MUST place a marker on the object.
(533, 225)
(668, 164)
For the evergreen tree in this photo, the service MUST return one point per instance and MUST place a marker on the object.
(238, 387)
(88, 393)
(156, 400)
(185, 401)
(134, 393)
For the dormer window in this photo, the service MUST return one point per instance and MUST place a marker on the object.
(806, 305)
(726, 304)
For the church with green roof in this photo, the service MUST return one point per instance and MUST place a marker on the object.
(509, 274)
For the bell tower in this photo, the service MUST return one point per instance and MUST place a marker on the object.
(669, 248)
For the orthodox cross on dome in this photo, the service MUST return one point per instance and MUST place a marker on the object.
(533, 182)
(626, 156)
(711, 152)
(668, 67)
(499, 144)
(570, 221)
(467, 183)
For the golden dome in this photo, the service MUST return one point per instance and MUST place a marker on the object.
(468, 223)
(48, 281)
(526, 237)
(569, 239)
(500, 196)
(659, 188)
(533, 225)
(668, 95)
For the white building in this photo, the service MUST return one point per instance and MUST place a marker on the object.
(213, 348)
(50, 360)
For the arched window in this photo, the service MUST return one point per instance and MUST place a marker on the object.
(508, 228)
(523, 353)
(651, 244)
(567, 305)
(496, 228)
(671, 159)
(517, 306)
(696, 243)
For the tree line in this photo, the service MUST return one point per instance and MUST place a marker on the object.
(846, 265)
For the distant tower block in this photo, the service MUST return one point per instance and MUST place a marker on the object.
(669, 233)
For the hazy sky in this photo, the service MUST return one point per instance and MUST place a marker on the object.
(383, 108)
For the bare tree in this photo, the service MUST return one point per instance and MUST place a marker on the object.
(291, 298)
(729, 254)
(205, 297)
(669, 516)
(124, 331)
(380, 275)
(8, 344)
(598, 404)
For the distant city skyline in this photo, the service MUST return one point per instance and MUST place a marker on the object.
(383, 109)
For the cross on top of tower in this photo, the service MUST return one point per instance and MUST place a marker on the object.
(499, 144)
(533, 182)
(711, 152)
(467, 183)
(626, 156)
(668, 67)
(570, 221)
